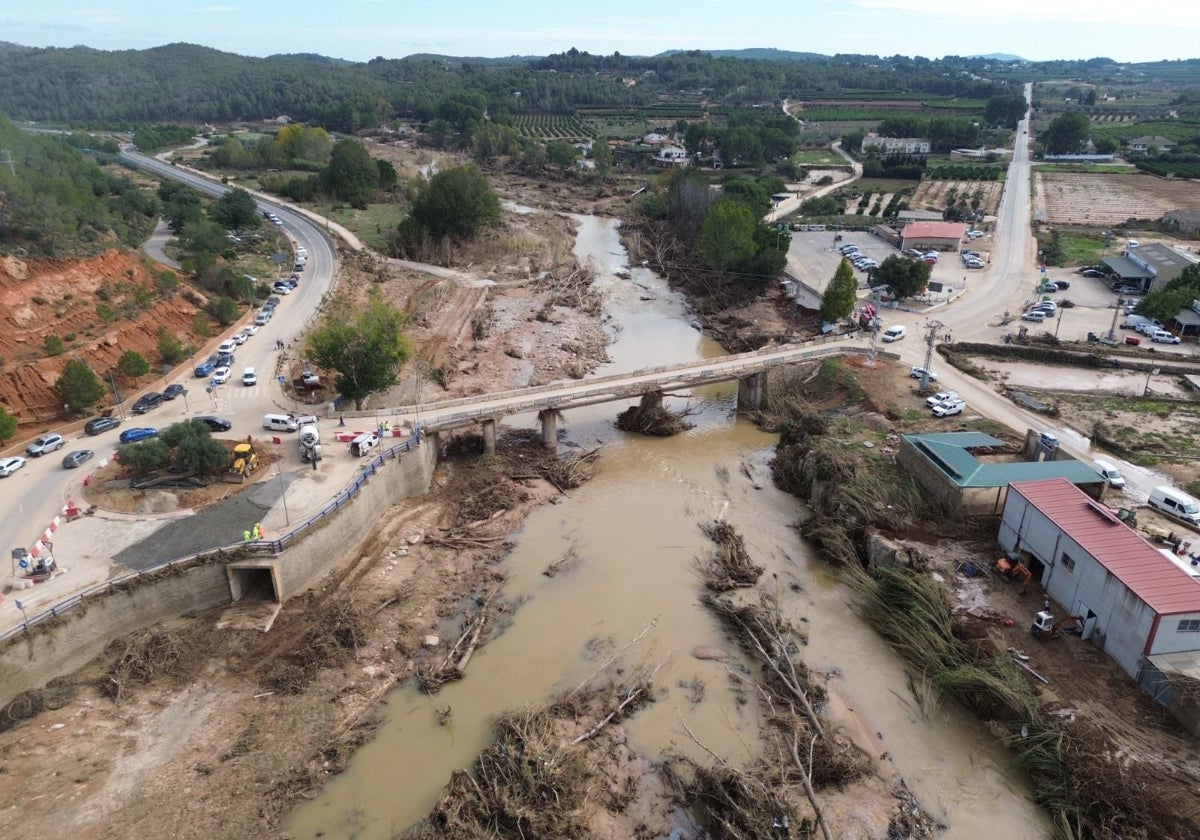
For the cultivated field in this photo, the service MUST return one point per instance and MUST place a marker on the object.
(1084, 198)
(935, 195)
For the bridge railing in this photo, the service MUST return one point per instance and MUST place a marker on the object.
(561, 385)
(268, 547)
(536, 399)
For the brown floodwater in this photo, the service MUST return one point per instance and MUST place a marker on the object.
(634, 531)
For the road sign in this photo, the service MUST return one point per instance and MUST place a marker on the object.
(23, 563)
(280, 380)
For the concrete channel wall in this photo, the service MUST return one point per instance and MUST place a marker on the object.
(65, 644)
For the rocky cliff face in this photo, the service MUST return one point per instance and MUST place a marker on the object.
(67, 299)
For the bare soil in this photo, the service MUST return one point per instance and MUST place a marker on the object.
(1097, 199)
(59, 298)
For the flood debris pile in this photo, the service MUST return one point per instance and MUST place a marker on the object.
(140, 658)
(337, 630)
(650, 417)
(802, 755)
(559, 771)
(729, 565)
(572, 289)
(434, 672)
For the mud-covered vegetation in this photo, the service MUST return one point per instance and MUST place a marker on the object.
(856, 492)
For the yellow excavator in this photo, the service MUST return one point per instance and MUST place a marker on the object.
(244, 462)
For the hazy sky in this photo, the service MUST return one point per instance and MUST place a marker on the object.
(363, 29)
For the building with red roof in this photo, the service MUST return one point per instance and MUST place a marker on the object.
(933, 236)
(1138, 605)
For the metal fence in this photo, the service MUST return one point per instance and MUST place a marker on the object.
(269, 547)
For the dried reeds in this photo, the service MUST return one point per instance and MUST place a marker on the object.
(729, 565)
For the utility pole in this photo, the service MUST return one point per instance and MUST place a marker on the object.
(933, 335)
(1112, 329)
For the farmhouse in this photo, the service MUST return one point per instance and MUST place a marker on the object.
(951, 467)
(895, 145)
(1138, 606)
(670, 156)
(926, 236)
(1149, 267)
(1151, 143)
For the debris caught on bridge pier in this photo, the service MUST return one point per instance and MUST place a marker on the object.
(649, 417)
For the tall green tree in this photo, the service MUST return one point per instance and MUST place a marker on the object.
(365, 351)
(132, 364)
(727, 236)
(77, 387)
(840, 295)
(193, 448)
(236, 210)
(603, 156)
(8, 425)
(456, 203)
(351, 174)
(1067, 133)
(170, 347)
(903, 276)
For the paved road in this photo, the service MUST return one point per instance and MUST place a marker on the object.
(33, 496)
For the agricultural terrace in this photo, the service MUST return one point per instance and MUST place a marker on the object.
(874, 110)
(938, 195)
(619, 122)
(1086, 199)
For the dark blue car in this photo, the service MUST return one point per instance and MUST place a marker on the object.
(136, 434)
(204, 369)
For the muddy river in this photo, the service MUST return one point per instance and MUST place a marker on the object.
(633, 530)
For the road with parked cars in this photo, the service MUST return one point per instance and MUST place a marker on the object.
(38, 483)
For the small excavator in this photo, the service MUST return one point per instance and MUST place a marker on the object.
(244, 462)
(1045, 627)
(1014, 570)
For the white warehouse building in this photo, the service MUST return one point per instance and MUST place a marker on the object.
(1138, 606)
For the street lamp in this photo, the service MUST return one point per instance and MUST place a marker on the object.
(283, 495)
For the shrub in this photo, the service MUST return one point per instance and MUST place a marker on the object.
(53, 345)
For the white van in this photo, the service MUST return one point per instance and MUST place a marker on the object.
(280, 423)
(1110, 473)
(302, 252)
(363, 444)
(895, 333)
(249, 376)
(1176, 504)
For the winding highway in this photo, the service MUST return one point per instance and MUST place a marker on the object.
(35, 494)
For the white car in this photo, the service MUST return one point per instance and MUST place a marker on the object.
(220, 376)
(1163, 337)
(227, 346)
(310, 379)
(239, 338)
(918, 372)
(946, 409)
(8, 466)
(249, 376)
(251, 329)
(281, 289)
(940, 397)
(974, 234)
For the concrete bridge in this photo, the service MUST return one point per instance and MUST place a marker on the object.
(549, 400)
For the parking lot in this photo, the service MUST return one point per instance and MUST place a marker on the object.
(813, 258)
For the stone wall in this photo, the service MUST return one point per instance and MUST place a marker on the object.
(932, 480)
(62, 646)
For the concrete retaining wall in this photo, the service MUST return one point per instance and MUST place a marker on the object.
(61, 647)
(31, 660)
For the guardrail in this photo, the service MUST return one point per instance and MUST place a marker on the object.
(271, 547)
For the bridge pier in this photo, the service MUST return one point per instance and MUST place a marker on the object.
(752, 390)
(549, 418)
(489, 437)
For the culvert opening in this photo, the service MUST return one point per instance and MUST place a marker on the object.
(253, 585)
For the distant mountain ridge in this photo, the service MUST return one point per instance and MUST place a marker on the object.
(999, 57)
(754, 54)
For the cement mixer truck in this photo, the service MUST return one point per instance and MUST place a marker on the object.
(310, 444)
